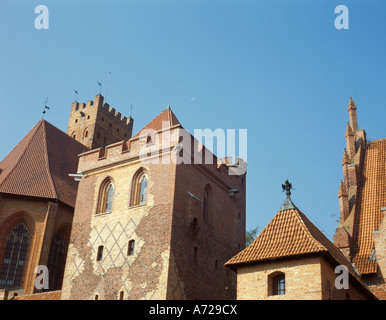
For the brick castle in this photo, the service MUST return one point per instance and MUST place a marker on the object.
(116, 216)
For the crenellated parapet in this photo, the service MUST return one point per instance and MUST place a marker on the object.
(163, 148)
(96, 124)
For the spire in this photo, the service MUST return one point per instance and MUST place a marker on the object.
(350, 141)
(287, 204)
(352, 115)
(351, 104)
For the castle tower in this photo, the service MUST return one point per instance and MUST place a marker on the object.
(150, 223)
(96, 125)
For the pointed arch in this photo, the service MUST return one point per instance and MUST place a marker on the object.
(15, 256)
(139, 190)
(57, 257)
(5, 229)
(106, 196)
(85, 133)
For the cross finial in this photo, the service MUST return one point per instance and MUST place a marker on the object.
(287, 186)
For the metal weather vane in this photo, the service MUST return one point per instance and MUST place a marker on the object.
(45, 108)
(287, 186)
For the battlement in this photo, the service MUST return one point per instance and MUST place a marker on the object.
(104, 107)
(140, 148)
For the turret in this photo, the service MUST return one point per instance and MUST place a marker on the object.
(95, 124)
(352, 113)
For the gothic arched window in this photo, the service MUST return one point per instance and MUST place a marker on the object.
(109, 197)
(142, 189)
(15, 256)
(56, 261)
(106, 196)
(139, 189)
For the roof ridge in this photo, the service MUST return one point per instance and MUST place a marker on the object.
(155, 122)
(303, 217)
(47, 160)
(22, 153)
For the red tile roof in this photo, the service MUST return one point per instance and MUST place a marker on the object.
(40, 163)
(372, 197)
(289, 234)
(157, 123)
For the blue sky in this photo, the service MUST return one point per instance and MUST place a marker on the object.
(279, 69)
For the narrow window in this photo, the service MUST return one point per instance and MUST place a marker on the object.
(130, 250)
(121, 295)
(96, 297)
(106, 196)
(142, 189)
(56, 262)
(109, 197)
(139, 188)
(100, 253)
(205, 206)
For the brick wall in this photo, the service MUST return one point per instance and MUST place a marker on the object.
(43, 218)
(171, 260)
(308, 278)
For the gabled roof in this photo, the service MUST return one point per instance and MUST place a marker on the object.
(289, 234)
(40, 163)
(372, 197)
(167, 116)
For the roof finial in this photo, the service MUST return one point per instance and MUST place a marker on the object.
(45, 107)
(287, 204)
(287, 186)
